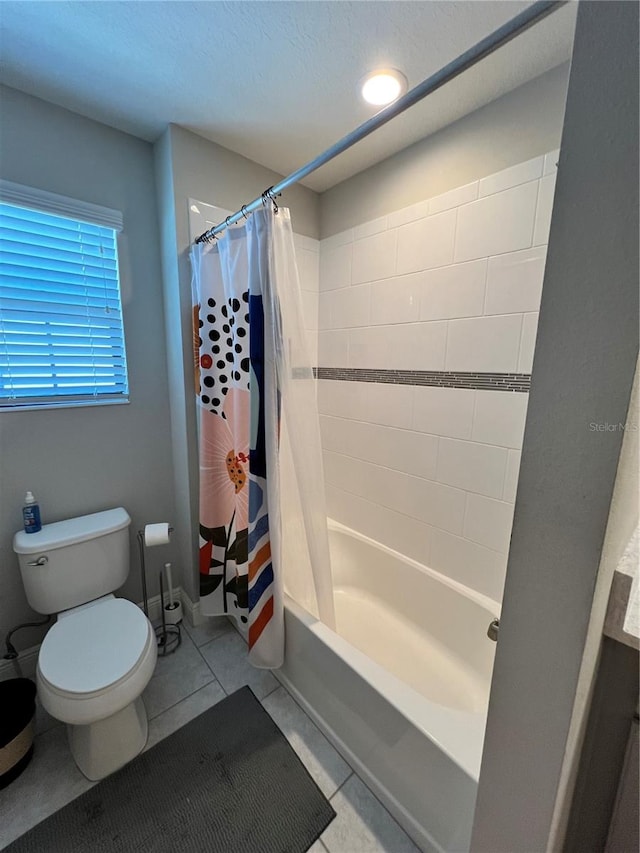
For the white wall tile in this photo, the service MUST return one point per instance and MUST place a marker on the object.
(496, 224)
(488, 522)
(433, 503)
(352, 306)
(471, 564)
(407, 346)
(367, 229)
(308, 269)
(386, 487)
(543, 210)
(416, 346)
(325, 397)
(511, 476)
(402, 533)
(443, 411)
(333, 348)
(303, 242)
(350, 435)
(429, 502)
(379, 485)
(512, 177)
(310, 309)
(514, 282)
(499, 418)
(527, 342)
(390, 405)
(432, 472)
(453, 291)
(426, 243)
(332, 464)
(345, 308)
(403, 450)
(337, 502)
(325, 301)
(368, 347)
(374, 257)
(395, 530)
(488, 344)
(453, 198)
(474, 467)
(396, 300)
(312, 345)
(339, 239)
(348, 509)
(333, 434)
(408, 214)
(342, 399)
(551, 162)
(335, 267)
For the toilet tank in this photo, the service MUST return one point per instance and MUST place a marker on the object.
(74, 561)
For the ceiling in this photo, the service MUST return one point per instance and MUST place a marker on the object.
(273, 80)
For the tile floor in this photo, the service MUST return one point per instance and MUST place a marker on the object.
(210, 663)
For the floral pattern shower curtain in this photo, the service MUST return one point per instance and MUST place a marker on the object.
(234, 381)
(260, 453)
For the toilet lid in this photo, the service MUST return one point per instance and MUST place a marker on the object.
(95, 647)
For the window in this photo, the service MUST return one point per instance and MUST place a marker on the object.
(61, 333)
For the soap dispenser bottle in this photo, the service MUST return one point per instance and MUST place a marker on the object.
(31, 514)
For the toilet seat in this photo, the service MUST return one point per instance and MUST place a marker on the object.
(92, 648)
(83, 650)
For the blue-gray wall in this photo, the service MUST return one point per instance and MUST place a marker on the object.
(81, 460)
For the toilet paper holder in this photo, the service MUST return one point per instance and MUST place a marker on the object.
(168, 636)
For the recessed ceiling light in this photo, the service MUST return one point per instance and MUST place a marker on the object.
(384, 86)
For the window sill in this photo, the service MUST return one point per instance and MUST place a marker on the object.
(62, 404)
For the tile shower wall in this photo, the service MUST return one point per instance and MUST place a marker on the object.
(450, 284)
(308, 261)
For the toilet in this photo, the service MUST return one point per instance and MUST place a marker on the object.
(100, 654)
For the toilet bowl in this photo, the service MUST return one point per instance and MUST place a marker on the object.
(98, 657)
(92, 668)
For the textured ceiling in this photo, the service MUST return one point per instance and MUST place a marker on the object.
(274, 81)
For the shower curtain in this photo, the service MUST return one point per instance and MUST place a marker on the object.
(259, 442)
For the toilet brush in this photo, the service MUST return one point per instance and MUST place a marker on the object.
(172, 610)
(169, 636)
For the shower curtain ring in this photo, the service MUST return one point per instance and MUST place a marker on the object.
(242, 211)
(269, 194)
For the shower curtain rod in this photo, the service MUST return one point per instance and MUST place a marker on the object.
(466, 60)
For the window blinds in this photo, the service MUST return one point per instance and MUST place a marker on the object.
(61, 334)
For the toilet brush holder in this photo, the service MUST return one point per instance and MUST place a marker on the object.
(168, 635)
(173, 613)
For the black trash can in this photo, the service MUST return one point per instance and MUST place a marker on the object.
(17, 713)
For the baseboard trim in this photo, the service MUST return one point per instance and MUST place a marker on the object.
(24, 666)
(191, 610)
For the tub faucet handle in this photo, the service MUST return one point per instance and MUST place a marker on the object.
(492, 630)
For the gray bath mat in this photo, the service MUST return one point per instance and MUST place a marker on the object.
(227, 782)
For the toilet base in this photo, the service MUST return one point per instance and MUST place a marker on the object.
(104, 747)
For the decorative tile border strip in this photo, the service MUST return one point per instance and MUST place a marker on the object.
(438, 378)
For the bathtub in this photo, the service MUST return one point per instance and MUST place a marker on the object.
(401, 689)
